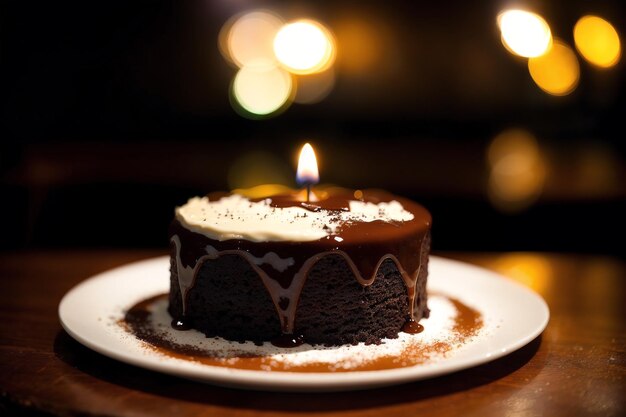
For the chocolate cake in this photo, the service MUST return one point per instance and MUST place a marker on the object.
(345, 267)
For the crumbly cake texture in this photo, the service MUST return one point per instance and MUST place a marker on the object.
(350, 287)
(229, 300)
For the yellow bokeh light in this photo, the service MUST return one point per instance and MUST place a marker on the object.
(364, 43)
(248, 39)
(262, 171)
(262, 91)
(512, 141)
(517, 170)
(515, 182)
(534, 271)
(304, 47)
(557, 72)
(263, 190)
(597, 41)
(524, 33)
(267, 52)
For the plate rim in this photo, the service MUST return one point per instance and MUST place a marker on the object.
(298, 381)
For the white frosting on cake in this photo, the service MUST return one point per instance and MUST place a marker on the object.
(236, 217)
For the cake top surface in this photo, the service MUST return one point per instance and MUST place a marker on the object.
(287, 218)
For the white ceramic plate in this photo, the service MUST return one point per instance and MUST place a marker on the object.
(513, 316)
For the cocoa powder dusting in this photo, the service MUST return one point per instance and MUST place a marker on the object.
(138, 321)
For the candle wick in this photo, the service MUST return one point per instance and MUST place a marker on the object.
(308, 192)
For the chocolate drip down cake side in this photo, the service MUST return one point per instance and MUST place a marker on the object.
(343, 268)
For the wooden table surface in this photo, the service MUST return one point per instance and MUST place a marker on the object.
(577, 367)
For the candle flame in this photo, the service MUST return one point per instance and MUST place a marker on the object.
(307, 167)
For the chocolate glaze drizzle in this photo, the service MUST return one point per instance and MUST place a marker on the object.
(283, 266)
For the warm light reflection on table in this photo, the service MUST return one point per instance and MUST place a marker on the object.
(574, 369)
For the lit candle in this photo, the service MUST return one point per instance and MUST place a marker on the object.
(307, 174)
(347, 236)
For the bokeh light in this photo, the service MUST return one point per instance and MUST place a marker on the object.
(304, 47)
(258, 168)
(313, 88)
(261, 91)
(524, 33)
(364, 44)
(263, 190)
(597, 41)
(518, 141)
(557, 72)
(534, 271)
(267, 52)
(517, 170)
(248, 39)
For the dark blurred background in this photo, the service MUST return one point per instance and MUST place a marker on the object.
(115, 112)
